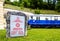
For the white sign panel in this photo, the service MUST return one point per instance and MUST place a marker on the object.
(17, 25)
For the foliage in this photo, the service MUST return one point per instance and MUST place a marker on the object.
(26, 3)
(42, 11)
(36, 11)
(58, 6)
(45, 5)
(16, 3)
(34, 4)
(7, 2)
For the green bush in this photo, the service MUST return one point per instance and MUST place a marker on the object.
(45, 5)
(58, 6)
(7, 2)
(15, 3)
(34, 4)
(26, 4)
(37, 11)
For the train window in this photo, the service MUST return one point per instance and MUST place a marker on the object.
(46, 18)
(55, 18)
(42, 18)
(58, 18)
(37, 18)
(31, 17)
(34, 17)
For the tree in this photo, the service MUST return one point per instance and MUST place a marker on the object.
(51, 4)
(58, 5)
(36, 3)
(7, 1)
(54, 3)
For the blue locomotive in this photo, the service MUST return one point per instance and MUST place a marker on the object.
(44, 20)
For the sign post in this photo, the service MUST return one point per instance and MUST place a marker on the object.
(16, 24)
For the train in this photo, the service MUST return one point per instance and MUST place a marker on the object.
(44, 20)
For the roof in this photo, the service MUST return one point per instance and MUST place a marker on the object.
(47, 15)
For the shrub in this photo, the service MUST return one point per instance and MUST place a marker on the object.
(37, 11)
(15, 3)
(7, 2)
(58, 6)
(45, 5)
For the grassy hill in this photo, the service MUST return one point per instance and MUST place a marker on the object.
(31, 10)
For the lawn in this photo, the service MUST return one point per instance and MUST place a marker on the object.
(30, 10)
(35, 34)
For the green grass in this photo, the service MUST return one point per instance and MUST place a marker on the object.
(36, 34)
(30, 10)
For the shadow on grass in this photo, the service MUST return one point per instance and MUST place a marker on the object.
(45, 27)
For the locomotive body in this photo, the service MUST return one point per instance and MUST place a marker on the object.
(44, 20)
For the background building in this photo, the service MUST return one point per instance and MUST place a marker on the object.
(13, 0)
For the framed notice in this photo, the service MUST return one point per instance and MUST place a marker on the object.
(17, 25)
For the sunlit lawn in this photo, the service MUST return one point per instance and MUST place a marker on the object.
(36, 34)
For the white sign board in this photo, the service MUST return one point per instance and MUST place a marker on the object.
(17, 25)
